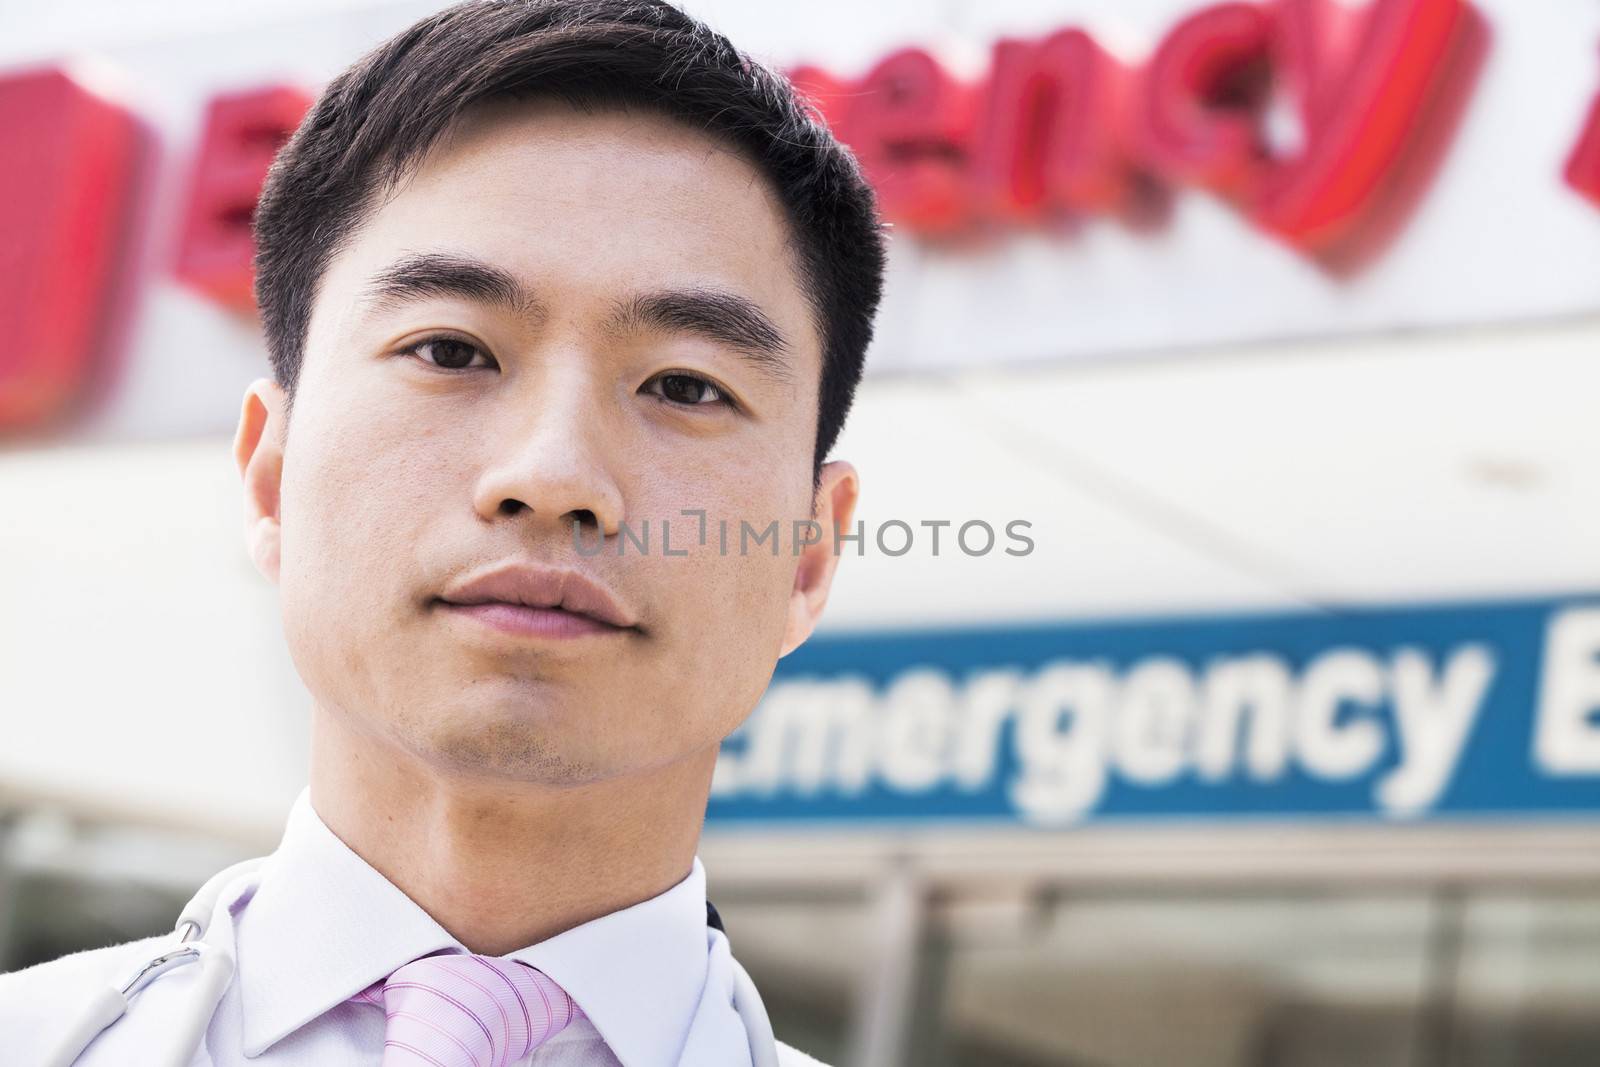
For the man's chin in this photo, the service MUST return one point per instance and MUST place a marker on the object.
(508, 748)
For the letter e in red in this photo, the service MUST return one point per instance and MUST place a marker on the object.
(243, 131)
(910, 124)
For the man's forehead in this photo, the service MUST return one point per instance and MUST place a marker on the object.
(548, 112)
(612, 132)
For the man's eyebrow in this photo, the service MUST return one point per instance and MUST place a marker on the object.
(449, 274)
(715, 314)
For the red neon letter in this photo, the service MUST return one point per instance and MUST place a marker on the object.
(910, 125)
(65, 205)
(242, 133)
(1051, 129)
(1377, 114)
(1583, 166)
(1204, 88)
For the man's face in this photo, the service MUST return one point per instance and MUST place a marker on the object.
(660, 355)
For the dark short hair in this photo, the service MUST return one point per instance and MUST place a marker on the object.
(379, 117)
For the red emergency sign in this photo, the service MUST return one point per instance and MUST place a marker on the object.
(1056, 127)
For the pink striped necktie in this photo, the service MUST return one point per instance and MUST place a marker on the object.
(460, 1010)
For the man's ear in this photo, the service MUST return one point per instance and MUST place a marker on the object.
(837, 490)
(258, 451)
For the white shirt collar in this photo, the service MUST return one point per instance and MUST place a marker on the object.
(324, 924)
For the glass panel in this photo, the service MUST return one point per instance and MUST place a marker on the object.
(1530, 982)
(1216, 981)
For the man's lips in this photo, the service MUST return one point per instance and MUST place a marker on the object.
(524, 621)
(536, 600)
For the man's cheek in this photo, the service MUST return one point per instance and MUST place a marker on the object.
(756, 605)
(386, 491)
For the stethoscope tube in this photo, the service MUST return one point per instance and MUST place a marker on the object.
(109, 1003)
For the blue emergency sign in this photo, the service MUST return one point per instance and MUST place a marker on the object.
(1458, 710)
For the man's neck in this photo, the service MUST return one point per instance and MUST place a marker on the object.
(506, 864)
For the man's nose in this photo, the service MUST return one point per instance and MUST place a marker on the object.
(549, 455)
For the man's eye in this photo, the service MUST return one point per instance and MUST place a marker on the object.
(686, 389)
(448, 353)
